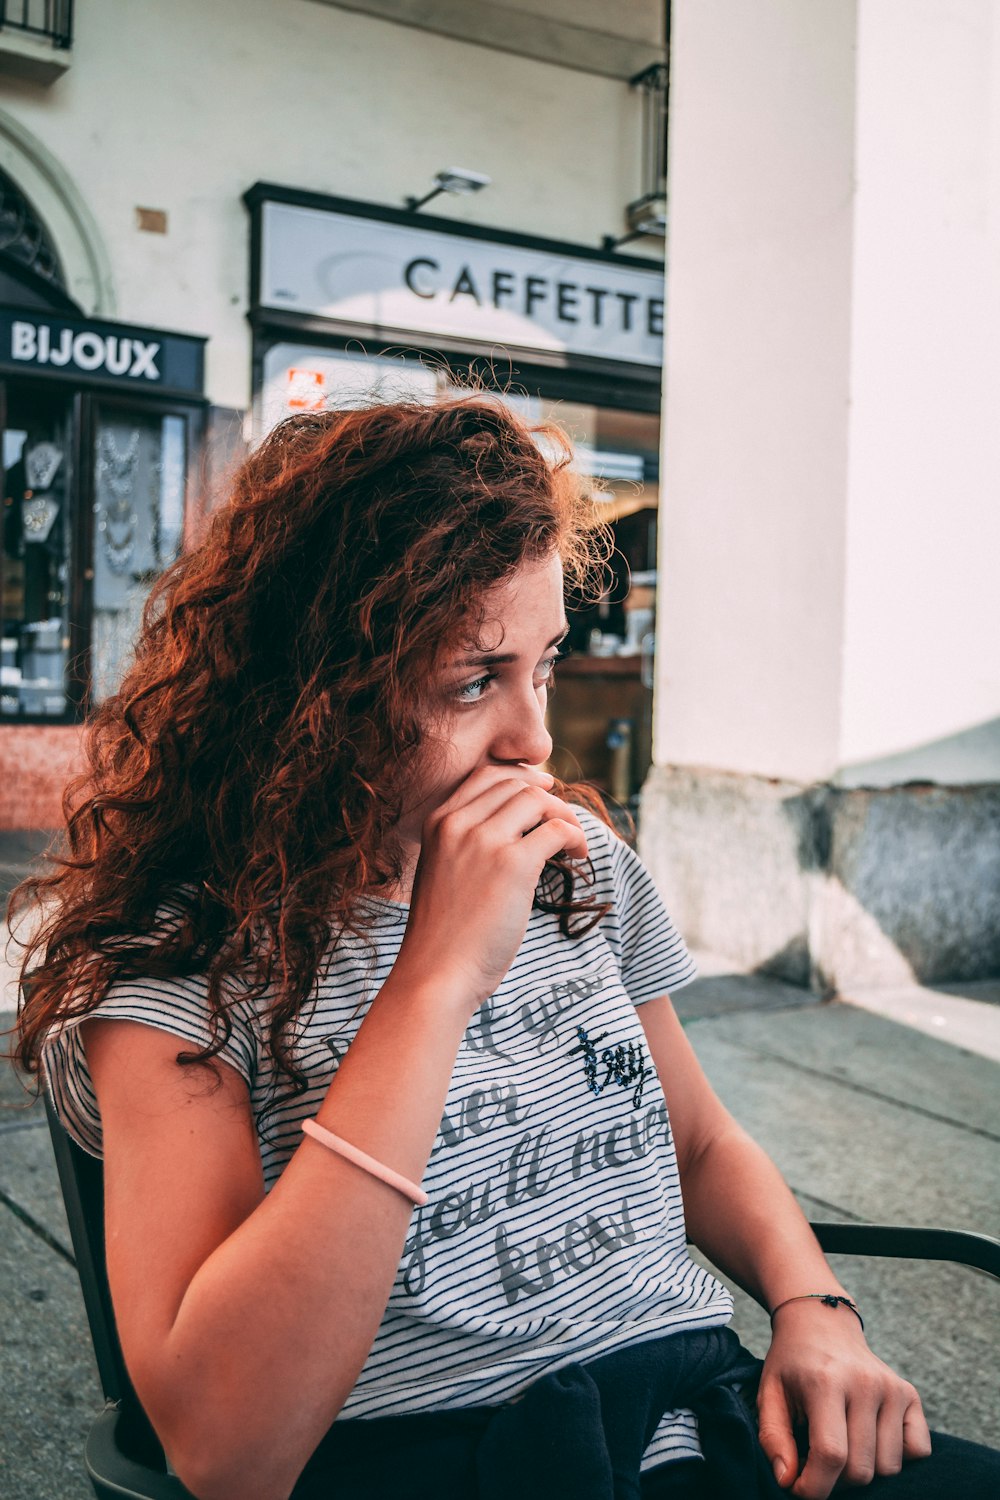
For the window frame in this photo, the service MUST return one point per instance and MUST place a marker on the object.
(84, 407)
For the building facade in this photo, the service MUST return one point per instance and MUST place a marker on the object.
(209, 221)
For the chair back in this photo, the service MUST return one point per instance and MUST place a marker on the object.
(81, 1178)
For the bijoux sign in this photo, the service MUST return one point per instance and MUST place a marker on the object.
(400, 278)
(106, 353)
(87, 351)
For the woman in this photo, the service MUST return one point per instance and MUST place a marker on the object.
(318, 882)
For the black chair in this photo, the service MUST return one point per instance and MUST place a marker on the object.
(123, 1455)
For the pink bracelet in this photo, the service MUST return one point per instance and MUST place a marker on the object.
(367, 1163)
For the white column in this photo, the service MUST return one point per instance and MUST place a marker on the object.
(829, 587)
(751, 596)
(921, 698)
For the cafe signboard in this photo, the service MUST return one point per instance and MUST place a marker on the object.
(394, 275)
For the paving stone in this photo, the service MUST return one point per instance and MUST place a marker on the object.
(731, 994)
(853, 1046)
(18, 1100)
(965, 1020)
(876, 1159)
(28, 1178)
(49, 1392)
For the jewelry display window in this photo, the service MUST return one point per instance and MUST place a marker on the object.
(94, 505)
(35, 564)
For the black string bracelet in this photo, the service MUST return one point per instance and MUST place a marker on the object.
(828, 1299)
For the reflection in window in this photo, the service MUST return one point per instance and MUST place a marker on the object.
(298, 377)
(139, 467)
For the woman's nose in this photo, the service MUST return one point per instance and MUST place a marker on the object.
(521, 734)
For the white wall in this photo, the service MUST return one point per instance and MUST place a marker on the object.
(922, 622)
(830, 567)
(758, 300)
(182, 107)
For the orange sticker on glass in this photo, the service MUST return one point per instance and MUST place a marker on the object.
(305, 390)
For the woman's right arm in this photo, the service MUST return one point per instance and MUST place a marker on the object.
(245, 1320)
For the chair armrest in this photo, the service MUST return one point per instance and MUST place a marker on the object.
(912, 1243)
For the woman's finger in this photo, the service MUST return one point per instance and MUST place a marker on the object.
(916, 1433)
(507, 810)
(863, 1415)
(889, 1437)
(527, 808)
(490, 798)
(552, 837)
(487, 777)
(828, 1450)
(774, 1431)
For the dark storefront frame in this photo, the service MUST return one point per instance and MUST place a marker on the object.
(88, 393)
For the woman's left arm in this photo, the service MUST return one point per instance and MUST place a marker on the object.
(861, 1418)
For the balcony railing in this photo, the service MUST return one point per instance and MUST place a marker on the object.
(51, 20)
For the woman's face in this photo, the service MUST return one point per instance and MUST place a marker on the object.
(486, 698)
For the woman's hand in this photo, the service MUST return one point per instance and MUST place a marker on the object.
(860, 1419)
(482, 852)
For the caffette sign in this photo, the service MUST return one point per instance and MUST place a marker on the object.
(101, 353)
(378, 276)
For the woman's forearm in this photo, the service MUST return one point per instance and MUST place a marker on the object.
(275, 1326)
(740, 1212)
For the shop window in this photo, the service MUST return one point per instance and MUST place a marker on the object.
(619, 450)
(81, 549)
(601, 714)
(35, 570)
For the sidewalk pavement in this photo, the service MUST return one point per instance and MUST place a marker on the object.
(868, 1118)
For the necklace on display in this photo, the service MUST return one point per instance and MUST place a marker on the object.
(40, 465)
(116, 517)
(37, 516)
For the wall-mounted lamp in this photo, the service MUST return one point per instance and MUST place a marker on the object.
(452, 180)
(648, 214)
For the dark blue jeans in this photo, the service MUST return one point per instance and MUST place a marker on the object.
(581, 1431)
(956, 1470)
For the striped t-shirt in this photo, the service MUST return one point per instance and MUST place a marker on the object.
(554, 1230)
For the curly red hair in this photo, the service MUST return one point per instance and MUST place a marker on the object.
(252, 765)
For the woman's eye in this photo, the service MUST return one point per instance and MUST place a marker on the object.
(471, 692)
(546, 668)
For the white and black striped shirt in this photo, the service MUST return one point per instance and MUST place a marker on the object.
(554, 1230)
